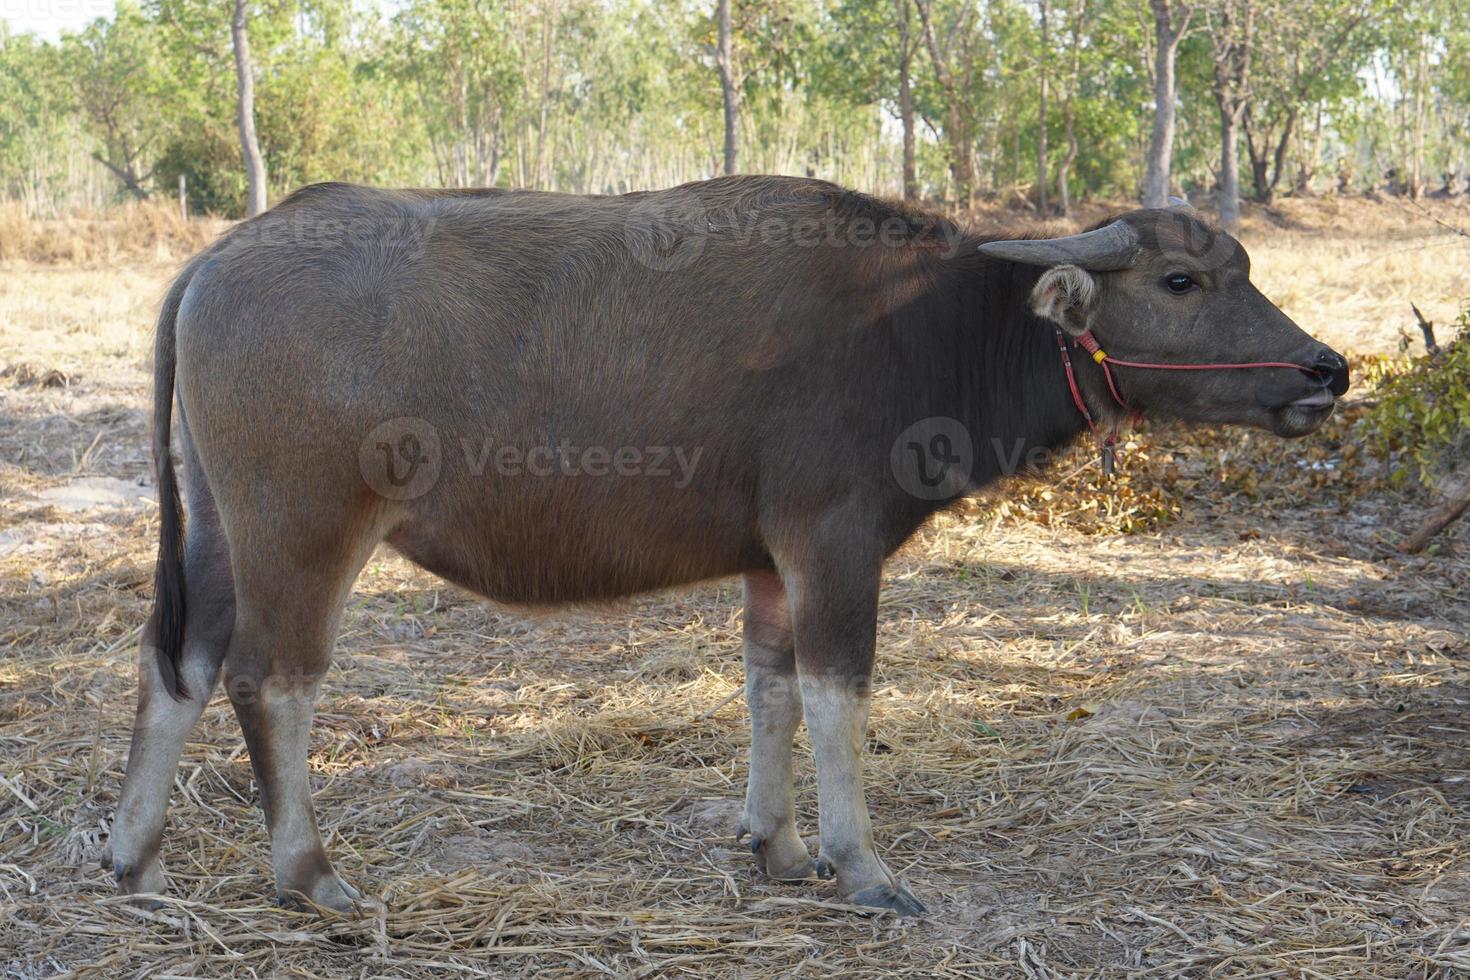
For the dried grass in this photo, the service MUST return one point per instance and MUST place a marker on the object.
(149, 230)
(1232, 745)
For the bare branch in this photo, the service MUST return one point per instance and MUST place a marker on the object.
(941, 68)
(1427, 329)
(1442, 518)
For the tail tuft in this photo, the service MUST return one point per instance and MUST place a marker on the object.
(166, 625)
(167, 621)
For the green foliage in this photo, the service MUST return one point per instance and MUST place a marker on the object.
(38, 122)
(611, 95)
(1423, 413)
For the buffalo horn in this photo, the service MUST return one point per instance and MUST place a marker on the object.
(1105, 249)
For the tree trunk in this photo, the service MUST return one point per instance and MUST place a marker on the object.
(1064, 184)
(1064, 172)
(962, 154)
(1229, 169)
(543, 167)
(906, 102)
(1232, 56)
(1260, 177)
(245, 112)
(725, 59)
(1309, 160)
(1421, 76)
(1041, 168)
(1167, 33)
(956, 124)
(125, 174)
(1278, 156)
(1267, 152)
(1256, 154)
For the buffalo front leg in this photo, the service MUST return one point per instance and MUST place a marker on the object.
(774, 697)
(835, 614)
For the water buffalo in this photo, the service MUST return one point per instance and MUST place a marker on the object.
(548, 399)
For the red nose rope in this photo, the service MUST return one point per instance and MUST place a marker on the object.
(1089, 343)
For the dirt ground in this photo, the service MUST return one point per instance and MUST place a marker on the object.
(1238, 745)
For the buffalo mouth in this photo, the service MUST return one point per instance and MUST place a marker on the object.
(1321, 398)
(1303, 415)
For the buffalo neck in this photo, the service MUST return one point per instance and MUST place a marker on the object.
(1007, 384)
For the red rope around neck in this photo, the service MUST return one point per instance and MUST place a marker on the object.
(1089, 343)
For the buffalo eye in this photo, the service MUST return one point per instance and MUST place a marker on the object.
(1178, 283)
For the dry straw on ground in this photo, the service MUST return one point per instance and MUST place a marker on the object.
(153, 229)
(1231, 744)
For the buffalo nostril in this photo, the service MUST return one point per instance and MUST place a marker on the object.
(1331, 369)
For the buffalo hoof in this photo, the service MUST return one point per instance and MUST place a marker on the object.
(144, 881)
(895, 898)
(787, 865)
(780, 855)
(330, 893)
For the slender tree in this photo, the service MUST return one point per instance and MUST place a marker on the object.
(725, 59)
(958, 129)
(245, 111)
(1232, 26)
(1069, 127)
(906, 100)
(1043, 61)
(1171, 20)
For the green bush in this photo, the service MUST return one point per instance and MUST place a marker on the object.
(1422, 419)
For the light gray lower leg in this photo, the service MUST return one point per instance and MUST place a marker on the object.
(774, 697)
(770, 807)
(838, 717)
(835, 618)
(162, 723)
(276, 719)
(160, 728)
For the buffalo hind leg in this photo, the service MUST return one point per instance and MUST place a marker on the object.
(289, 605)
(774, 698)
(835, 611)
(162, 722)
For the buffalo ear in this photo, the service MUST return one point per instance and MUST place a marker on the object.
(1066, 296)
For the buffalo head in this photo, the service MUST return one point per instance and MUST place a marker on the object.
(1161, 286)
